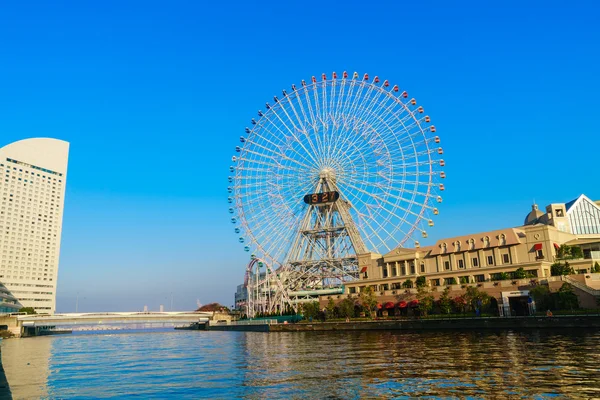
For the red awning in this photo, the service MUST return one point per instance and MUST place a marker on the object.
(414, 303)
(556, 246)
(402, 304)
(537, 246)
(389, 304)
(364, 269)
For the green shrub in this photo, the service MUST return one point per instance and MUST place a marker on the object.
(520, 273)
(558, 269)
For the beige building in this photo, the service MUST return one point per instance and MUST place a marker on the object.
(488, 256)
(32, 192)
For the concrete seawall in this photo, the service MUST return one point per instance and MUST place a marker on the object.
(560, 322)
(442, 324)
(4, 386)
(240, 328)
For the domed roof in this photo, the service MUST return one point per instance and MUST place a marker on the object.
(533, 217)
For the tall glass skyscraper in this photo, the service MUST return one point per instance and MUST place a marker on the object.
(33, 177)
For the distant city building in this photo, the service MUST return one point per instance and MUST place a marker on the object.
(241, 297)
(32, 193)
(8, 302)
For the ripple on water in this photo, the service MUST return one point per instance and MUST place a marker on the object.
(188, 364)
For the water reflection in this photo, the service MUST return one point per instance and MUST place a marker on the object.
(26, 364)
(349, 365)
(312, 364)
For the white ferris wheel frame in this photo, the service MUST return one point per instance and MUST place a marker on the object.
(365, 108)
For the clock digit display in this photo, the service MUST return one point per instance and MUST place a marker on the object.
(321, 198)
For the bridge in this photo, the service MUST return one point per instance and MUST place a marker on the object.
(67, 319)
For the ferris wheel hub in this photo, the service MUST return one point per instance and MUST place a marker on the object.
(327, 173)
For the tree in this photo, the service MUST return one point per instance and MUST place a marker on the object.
(331, 309)
(445, 302)
(520, 273)
(345, 308)
(421, 281)
(475, 298)
(407, 284)
(425, 301)
(213, 307)
(576, 252)
(311, 310)
(566, 299)
(503, 276)
(460, 303)
(464, 280)
(563, 252)
(368, 300)
(541, 295)
(566, 252)
(558, 269)
(27, 310)
(596, 267)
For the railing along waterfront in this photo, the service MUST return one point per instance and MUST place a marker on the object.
(245, 322)
(581, 285)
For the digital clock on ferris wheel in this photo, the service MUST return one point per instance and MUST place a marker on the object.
(321, 198)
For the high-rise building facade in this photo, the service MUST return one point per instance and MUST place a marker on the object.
(32, 194)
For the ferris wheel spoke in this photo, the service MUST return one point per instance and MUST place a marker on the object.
(305, 131)
(385, 201)
(291, 131)
(305, 155)
(309, 119)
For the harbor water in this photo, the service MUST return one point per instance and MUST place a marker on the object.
(333, 365)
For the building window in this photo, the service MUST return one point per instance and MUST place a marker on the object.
(461, 264)
(539, 254)
(435, 282)
(352, 290)
(385, 272)
(412, 269)
(422, 267)
(490, 260)
(394, 271)
(479, 278)
(446, 265)
(475, 262)
(505, 258)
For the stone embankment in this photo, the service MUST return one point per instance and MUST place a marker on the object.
(481, 323)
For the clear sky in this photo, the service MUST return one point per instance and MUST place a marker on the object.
(153, 96)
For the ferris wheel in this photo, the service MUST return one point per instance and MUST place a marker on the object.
(333, 168)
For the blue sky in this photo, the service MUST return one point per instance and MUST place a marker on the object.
(152, 97)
